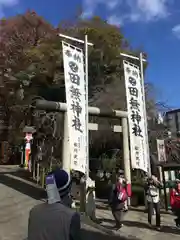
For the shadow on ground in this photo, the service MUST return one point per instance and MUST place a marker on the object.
(102, 207)
(134, 209)
(89, 235)
(21, 186)
(165, 229)
(22, 181)
(105, 206)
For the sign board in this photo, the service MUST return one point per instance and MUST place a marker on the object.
(136, 117)
(161, 150)
(76, 105)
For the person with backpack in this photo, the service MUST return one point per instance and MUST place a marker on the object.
(117, 201)
(152, 188)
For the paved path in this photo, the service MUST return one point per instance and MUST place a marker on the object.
(18, 196)
(135, 224)
(15, 203)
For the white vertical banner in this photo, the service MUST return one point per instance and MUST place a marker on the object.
(161, 150)
(76, 105)
(136, 117)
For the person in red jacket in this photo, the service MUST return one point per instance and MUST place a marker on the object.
(175, 203)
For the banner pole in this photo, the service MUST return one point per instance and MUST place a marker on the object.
(86, 137)
(144, 108)
(87, 115)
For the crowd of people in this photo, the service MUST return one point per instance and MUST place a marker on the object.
(56, 220)
(120, 194)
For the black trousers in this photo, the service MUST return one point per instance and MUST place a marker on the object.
(118, 216)
(177, 214)
(155, 206)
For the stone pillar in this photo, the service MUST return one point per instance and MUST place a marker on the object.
(66, 157)
(126, 154)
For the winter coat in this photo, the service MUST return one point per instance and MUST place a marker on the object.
(53, 222)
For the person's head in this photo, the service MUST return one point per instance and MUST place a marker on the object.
(63, 182)
(150, 180)
(153, 179)
(120, 179)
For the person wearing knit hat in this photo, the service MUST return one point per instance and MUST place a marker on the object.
(55, 219)
(63, 183)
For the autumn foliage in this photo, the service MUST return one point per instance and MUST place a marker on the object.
(31, 64)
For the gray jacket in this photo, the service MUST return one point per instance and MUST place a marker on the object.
(53, 222)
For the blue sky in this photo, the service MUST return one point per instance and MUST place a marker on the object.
(153, 25)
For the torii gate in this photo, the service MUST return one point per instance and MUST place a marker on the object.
(93, 111)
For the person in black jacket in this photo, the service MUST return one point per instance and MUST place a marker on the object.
(117, 203)
(55, 220)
